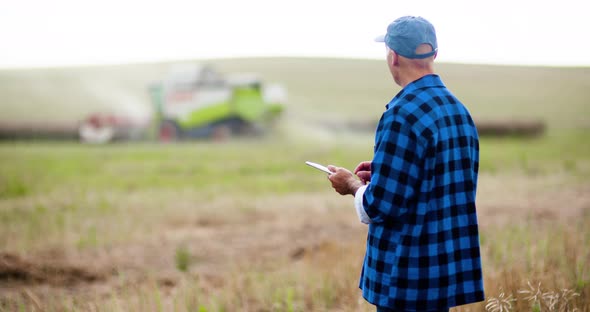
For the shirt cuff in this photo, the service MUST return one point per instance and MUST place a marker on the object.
(358, 204)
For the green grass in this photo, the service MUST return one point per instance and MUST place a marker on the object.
(260, 167)
(247, 167)
(182, 258)
(563, 151)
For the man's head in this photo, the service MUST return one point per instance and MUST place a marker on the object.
(411, 48)
(407, 33)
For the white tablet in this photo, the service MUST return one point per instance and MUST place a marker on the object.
(319, 167)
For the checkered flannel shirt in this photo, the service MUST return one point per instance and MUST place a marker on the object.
(423, 242)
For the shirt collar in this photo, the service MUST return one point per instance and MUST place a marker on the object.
(431, 80)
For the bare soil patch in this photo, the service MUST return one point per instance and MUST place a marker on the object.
(17, 270)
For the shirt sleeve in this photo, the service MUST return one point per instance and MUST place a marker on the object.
(358, 204)
(395, 169)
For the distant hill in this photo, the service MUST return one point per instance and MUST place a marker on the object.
(320, 90)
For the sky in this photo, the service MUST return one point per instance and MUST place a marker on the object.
(66, 32)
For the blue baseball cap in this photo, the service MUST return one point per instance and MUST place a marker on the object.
(406, 33)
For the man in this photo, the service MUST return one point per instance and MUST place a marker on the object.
(418, 193)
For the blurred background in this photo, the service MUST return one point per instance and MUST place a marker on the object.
(152, 152)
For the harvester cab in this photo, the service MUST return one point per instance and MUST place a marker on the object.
(198, 102)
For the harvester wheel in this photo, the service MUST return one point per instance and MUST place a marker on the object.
(168, 132)
(95, 132)
(221, 133)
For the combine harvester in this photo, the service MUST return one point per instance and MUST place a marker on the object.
(198, 102)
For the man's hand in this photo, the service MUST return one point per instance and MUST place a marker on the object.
(363, 171)
(343, 181)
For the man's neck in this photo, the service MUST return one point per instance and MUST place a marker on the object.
(412, 76)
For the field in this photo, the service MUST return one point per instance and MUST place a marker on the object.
(244, 225)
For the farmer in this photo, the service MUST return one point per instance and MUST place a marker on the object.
(418, 193)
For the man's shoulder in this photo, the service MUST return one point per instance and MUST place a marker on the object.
(426, 109)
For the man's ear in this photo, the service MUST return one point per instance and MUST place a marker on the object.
(394, 59)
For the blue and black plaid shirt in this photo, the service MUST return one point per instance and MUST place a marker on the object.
(423, 242)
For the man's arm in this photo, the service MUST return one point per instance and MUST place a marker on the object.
(395, 170)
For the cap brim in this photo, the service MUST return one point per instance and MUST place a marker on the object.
(380, 38)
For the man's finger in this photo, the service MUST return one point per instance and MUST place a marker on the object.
(365, 176)
(363, 166)
(358, 168)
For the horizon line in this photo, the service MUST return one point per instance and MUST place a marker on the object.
(6, 67)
